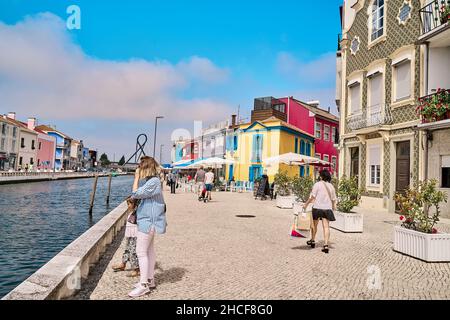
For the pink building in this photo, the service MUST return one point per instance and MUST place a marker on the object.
(46, 147)
(318, 122)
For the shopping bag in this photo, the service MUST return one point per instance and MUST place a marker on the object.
(295, 233)
(304, 220)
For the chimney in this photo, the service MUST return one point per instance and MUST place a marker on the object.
(12, 115)
(328, 109)
(314, 103)
(233, 120)
(31, 123)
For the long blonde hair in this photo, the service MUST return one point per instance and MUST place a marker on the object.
(148, 167)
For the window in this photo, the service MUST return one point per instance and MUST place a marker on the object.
(333, 162)
(280, 107)
(13, 146)
(317, 155)
(257, 147)
(326, 158)
(326, 133)
(296, 145)
(404, 13)
(445, 181)
(402, 72)
(377, 19)
(235, 143)
(32, 145)
(374, 165)
(31, 161)
(4, 128)
(302, 147)
(333, 134)
(308, 149)
(355, 97)
(40, 145)
(318, 130)
(22, 143)
(20, 161)
(2, 145)
(354, 46)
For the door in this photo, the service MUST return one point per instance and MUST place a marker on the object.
(354, 162)
(254, 173)
(230, 172)
(403, 171)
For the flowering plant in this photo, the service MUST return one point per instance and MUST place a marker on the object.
(445, 12)
(434, 107)
(415, 206)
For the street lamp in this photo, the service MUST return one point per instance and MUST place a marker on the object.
(154, 137)
(160, 153)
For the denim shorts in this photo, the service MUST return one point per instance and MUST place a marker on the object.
(209, 187)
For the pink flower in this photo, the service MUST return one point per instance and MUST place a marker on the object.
(401, 218)
(434, 230)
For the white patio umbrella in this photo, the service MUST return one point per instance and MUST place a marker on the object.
(211, 162)
(295, 159)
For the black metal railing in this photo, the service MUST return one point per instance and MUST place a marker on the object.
(434, 15)
(339, 36)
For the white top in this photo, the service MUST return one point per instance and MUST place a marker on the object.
(319, 192)
(209, 178)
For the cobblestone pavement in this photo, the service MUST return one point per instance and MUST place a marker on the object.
(209, 253)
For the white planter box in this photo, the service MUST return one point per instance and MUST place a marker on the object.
(348, 222)
(423, 246)
(285, 202)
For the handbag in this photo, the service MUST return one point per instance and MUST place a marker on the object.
(333, 203)
(304, 221)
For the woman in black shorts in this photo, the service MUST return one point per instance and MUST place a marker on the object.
(323, 197)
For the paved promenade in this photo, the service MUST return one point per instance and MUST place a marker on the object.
(209, 253)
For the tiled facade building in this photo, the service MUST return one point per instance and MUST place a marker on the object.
(379, 83)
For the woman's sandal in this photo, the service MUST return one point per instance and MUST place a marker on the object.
(325, 249)
(311, 243)
(120, 267)
(134, 273)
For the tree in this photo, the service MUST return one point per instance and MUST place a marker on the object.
(122, 161)
(104, 160)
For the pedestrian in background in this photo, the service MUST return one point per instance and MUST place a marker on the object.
(151, 219)
(209, 183)
(323, 197)
(200, 180)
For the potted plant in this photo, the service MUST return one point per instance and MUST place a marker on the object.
(417, 235)
(435, 107)
(283, 184)
(445, 13)
(301, 187)
(349, 196)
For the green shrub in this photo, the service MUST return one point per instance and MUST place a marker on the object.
(283, 183)
(302, 187)
(348, 194)
(416, 203)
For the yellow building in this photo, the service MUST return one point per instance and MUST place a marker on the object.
(256, 141)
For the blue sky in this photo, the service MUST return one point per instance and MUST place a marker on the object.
(207, 57)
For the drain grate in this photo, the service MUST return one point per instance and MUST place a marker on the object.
(245, 216)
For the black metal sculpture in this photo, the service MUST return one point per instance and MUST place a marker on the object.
(139, 148)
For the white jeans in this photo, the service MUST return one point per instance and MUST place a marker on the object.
(145, 251)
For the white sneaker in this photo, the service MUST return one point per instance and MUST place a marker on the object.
(140, 290)
(151, 284)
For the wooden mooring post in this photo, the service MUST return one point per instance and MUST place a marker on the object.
(94, 189)
(109, 188)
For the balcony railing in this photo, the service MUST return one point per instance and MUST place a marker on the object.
(339, 38)
(435, 107)
(373, 116)
(432, 15)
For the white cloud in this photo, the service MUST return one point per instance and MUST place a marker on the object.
(315, 72)
(44, 73)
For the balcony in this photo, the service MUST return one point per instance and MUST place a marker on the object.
(373, 116)
(267, 107)
(434, 109)
(434, 16)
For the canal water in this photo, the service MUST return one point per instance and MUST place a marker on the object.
(39, 219)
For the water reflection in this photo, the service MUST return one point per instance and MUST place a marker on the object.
(39, 219)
